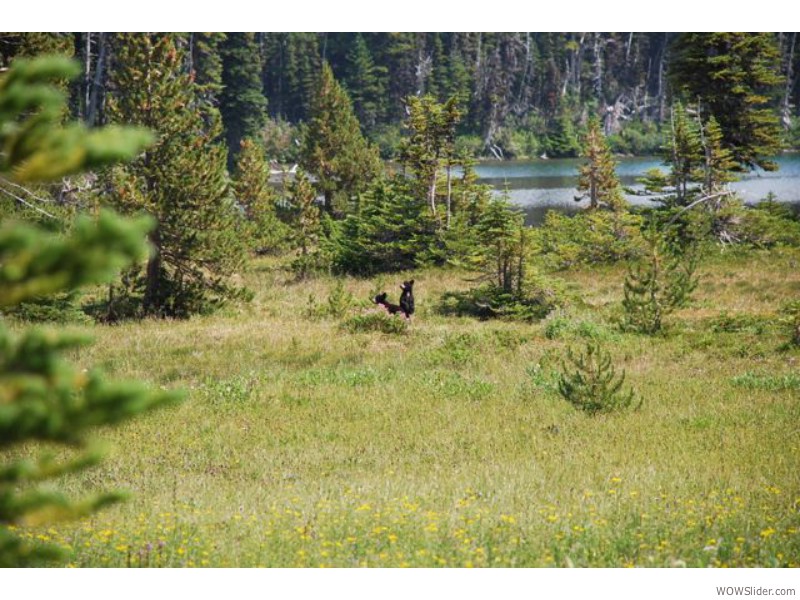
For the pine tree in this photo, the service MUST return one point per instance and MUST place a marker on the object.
(458, 76)
(396, 225)
(181, 181)
(400, 52)
(701, 168)
(242, 102)
(723, 207)
(291, 68)
(732, 76)
(718, 163)
(684, 152)
(591, 383)
(42, 397)
(333, 149)
(306, 217)
(33, 43)
(437, 83)
(364, 83)
(502, 238)
(257, 198)
(598, 178)
(562, 141)
(206, 67)
(501, 249)
(431, 146)
(391, 229)
(505, 81)
(45, 399)
(37, 148)
(658, 286)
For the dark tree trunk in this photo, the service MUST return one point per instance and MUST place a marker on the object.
(152, 296)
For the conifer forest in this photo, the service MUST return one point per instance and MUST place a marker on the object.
(399, 299)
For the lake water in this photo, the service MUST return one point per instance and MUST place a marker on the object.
(542, 185)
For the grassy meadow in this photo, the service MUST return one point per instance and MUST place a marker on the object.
(303, 443)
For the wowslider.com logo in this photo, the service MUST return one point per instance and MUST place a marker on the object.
(752, 590)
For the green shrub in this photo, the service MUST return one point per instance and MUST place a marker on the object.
(339, 301)
(557, 327)
(525, 144)
(58, 308)
(765, 225)
(457, 349)
(638, 138)
(772, 383)
(469, 145)
(376, 321)
(387, 138)
(543, 378)
(562, 138)
(791, 318)
(740, 323)
(590, 382)
(541, 295)
(561, 326)
(509, 340)
(590, 237)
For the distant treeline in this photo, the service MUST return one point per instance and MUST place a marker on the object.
(522, 94)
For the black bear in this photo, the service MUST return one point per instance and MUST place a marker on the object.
(406, 306)
(407, 298)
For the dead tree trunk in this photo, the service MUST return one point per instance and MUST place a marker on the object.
(190, 55)
(449, 193)
(97, 88)
(432, 193)
(521, 263)
(598, 67)
(662, 59)
(786, 108)
(87, 74)
(628, 45)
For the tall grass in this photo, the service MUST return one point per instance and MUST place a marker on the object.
(305, 443)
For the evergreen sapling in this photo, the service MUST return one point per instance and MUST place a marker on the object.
(659, 284)
(590, 382)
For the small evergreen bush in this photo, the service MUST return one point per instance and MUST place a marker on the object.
(658, 286)
(339, 301)
(590, 383)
